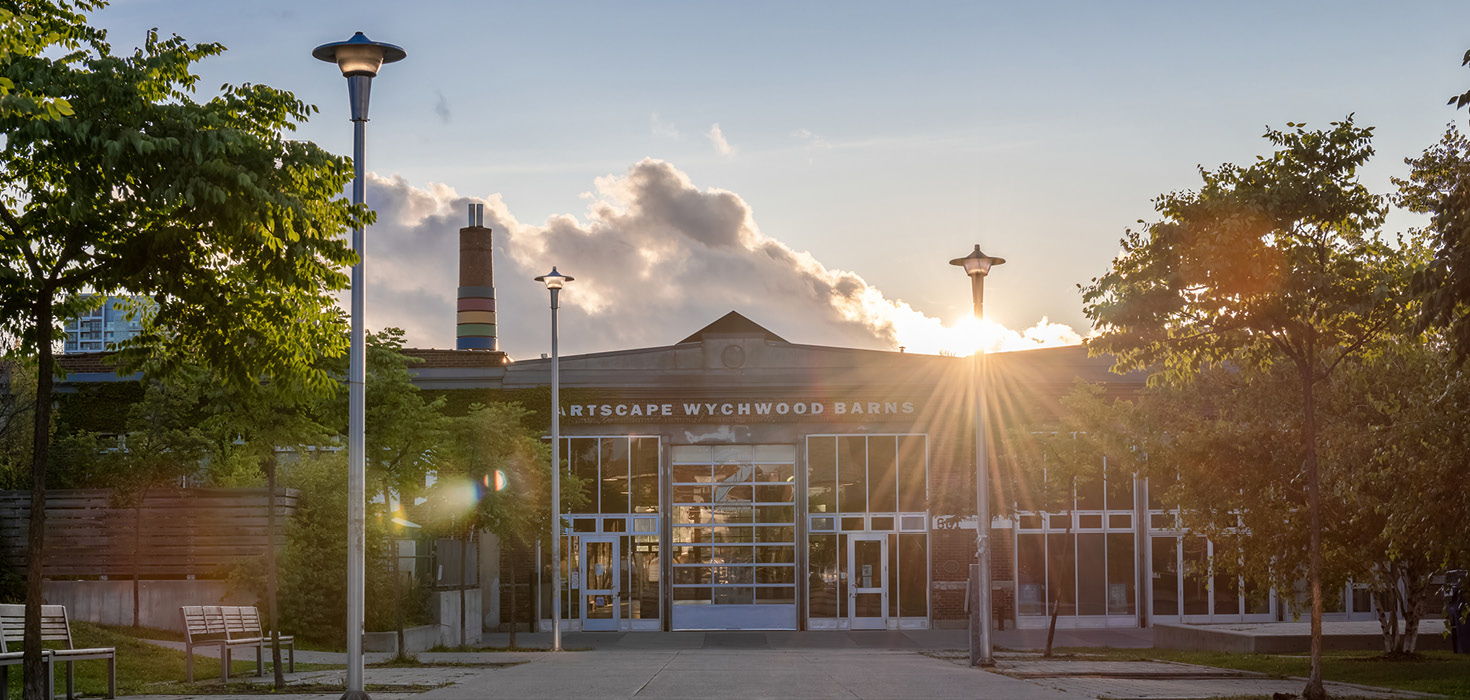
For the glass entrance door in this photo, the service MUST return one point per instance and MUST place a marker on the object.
(600, 570)
(867, 578)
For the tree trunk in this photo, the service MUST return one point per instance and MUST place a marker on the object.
(464, 581)
(34, 668)
(1308, 369)
(514, 611)
(272, 608)
(1056, 599)
(1416, 584)
(1388, 616)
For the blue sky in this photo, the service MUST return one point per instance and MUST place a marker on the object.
(883, 138)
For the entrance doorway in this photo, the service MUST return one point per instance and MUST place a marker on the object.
(867, 576)
(600, 570)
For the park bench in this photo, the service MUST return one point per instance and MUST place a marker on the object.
(12, 632)
(227, 627)
(55, 627)
(242, 627)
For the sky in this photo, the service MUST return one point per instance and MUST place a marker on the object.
(812, 165)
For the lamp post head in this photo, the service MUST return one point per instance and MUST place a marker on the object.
(977, 263)
(554, 279)
(359, 55)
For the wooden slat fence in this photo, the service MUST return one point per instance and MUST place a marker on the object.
(198, 532)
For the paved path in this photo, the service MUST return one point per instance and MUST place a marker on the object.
(745, 673)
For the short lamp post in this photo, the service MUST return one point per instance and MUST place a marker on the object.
(359, 59)
(554, 281)
(977, 265)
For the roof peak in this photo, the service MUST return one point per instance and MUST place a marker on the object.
(733, 323)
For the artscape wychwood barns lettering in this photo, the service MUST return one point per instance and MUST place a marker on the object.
(734, 410)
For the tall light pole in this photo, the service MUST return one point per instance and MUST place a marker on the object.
(554, 281)
(977, 265)
(359, 59)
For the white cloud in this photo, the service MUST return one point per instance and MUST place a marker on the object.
(658, 127)
(717, 137)
(655, 258)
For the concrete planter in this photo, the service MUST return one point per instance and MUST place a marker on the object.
(416, 639)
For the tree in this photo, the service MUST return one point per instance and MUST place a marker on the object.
(254, 421)
(494, 476)
(1401, 450)
(206, 207)
(1440, 187)
(1049, 467)
(1274, 264)
(162, 444)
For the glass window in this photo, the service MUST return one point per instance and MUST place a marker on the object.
(691, 596)
(1257, 600)
(643, 577)
(1120, 574)
(821, 474)
(1196, 577)
(614, 475)
(1030, 574)
(1091, 574)
(583, 455)
(893, 569)
(823, 523)
(1090, 494)
(1120, 488)
(882, 474)
(1226, 592)
(913, 586)
(743, 595)
(1166, 575)
(852, 474)
(912, 459)
(692, 473)
(645, 475)
(1061, 572)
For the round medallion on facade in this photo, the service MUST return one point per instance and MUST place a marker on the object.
(733, 356)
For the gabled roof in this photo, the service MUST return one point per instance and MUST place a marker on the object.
(733, 324)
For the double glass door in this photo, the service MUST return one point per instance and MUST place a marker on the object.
(600, 570)
(867, 579)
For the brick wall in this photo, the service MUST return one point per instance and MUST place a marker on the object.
(953, 551)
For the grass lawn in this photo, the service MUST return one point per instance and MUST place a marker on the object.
(141, 667)
(1434, 672)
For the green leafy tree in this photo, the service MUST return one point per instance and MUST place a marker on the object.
(1276, 263)
(1400, 450)
(162, 446)
(249, 424)
(494, 476)
(1439, 186)
(1048, 467)
(206, 207)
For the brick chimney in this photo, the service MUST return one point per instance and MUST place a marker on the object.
(475, 324)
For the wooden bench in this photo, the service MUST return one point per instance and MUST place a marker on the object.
(226, 627)
(12, 634)
(242, 627)
(56, 627)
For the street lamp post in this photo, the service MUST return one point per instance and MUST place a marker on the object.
(977, 265)
(554, 281)
(359, 59)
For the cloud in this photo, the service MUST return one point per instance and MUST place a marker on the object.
(717, 137)
(656, 257)
(658, 127)
(441, 107)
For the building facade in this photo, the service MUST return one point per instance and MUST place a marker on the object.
(100, 329)
(735, 480)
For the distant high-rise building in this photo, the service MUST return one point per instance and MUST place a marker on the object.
(101, 328)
